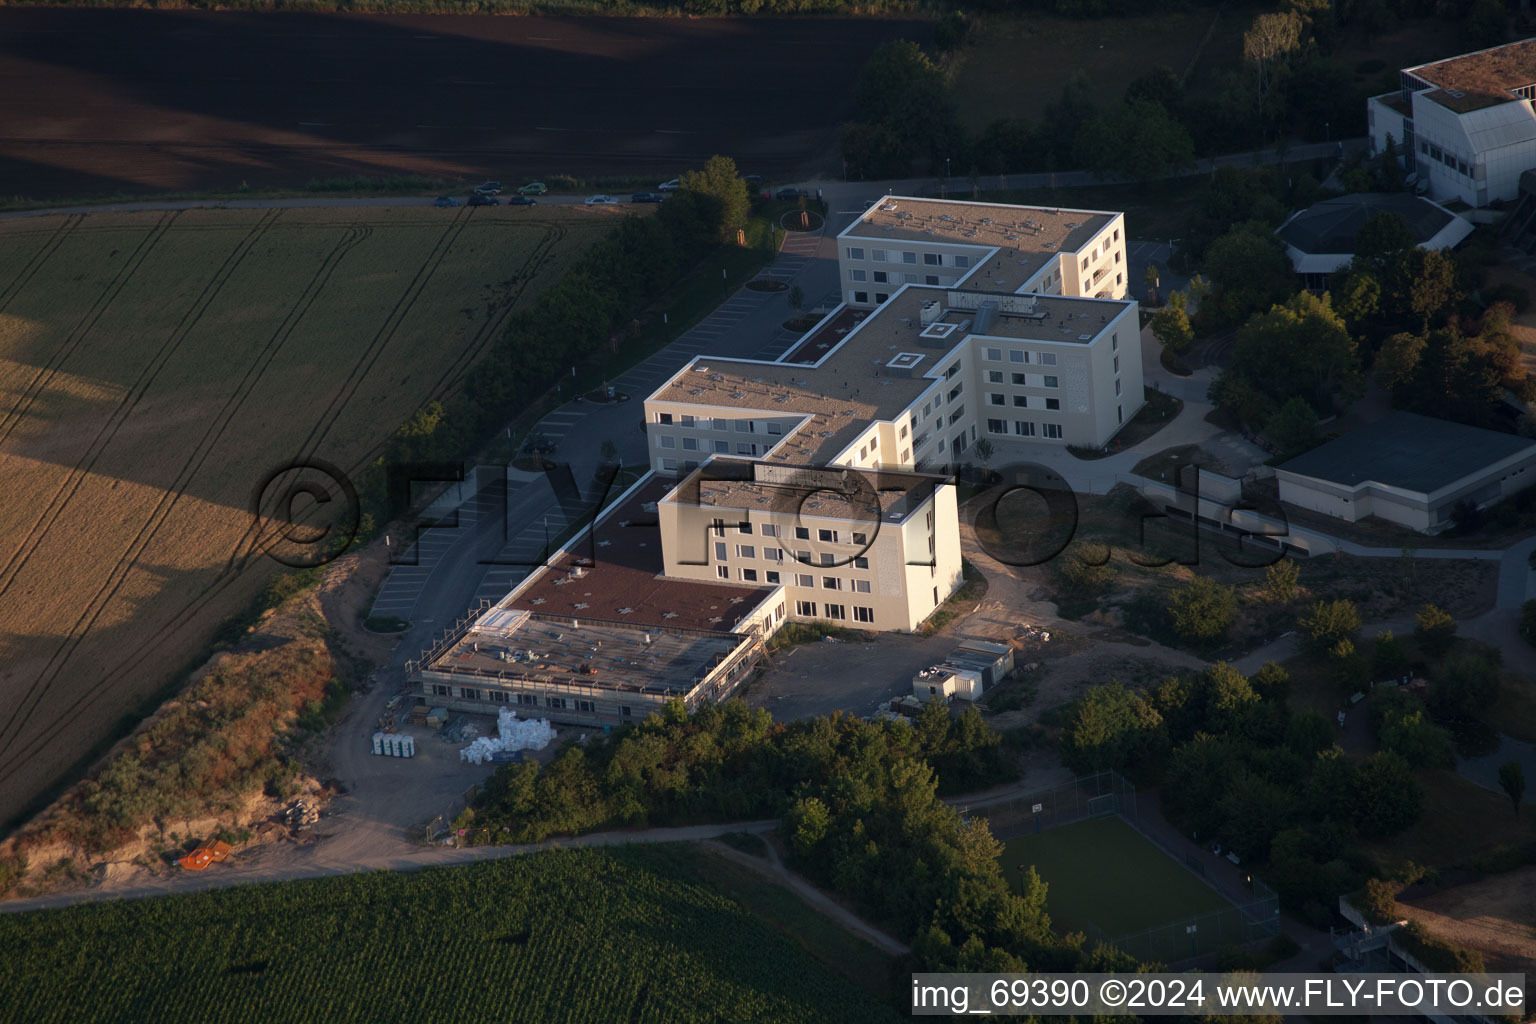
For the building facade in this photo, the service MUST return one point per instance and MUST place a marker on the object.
(1465, 126)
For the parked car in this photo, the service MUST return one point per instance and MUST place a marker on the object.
(481, 199)
(533, 188)
(489, 188)
(521, 201)
(647, 197)
(445, 201)
(790, 192)
(754, 181)
(599, 200)
(670, 186)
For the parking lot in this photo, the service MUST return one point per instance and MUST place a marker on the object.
(815, 678)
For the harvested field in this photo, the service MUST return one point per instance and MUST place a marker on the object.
(1492, 916)
(126, 101)
(155, 369)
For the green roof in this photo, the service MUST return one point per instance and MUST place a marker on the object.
(1408, 451)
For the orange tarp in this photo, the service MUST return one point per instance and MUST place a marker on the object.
(204, 855)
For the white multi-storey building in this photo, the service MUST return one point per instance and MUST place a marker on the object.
(987, 246)
(1464, 125)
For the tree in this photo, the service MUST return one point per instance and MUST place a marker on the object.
(1111, 729)
(1328, 622)
(1397, 362)
(1299, 349)
(1294, 428)
(1464, 683)
(725, 192)
(1382, 239)
(1267, 43)
(1388, 659)
(1135, 139)
(1420, 742)
(1202, 610)
(1280, 579)
(902, 110)
(1249, 271)
(1512, 782)
(1387, 799)
(984, 450)
(1171, 324)
(1435, 630)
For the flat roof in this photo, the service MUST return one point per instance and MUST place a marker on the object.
(1027, 237)
(876, 368)
(1480, 79)
(848, 493)
(1330, 226)
(521, 647)
(623, 583)
(1408, 451)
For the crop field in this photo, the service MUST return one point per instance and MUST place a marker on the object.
(155, 368)
(107, 102)
(1105, 878)
(628, 934)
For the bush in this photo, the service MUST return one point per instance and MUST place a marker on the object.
(1435, 630)
(1376, 901)
(1436, 954)
(1081, 580)
(1280, 580)
(1328, 622)
(1202, 610)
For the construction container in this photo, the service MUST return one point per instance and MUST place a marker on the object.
(407, 746)
(994, 661)
(378, 742)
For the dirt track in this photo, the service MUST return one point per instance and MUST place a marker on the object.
(123, 101)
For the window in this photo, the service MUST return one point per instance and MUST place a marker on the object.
(874, 442)
(909, 279)
(1119, 278)
(860, 562)
(861, 586)
(909, 257)
(861, 539)
(827, 558)
(962, 261)
(1117, 234)
(555, 702)
(881, 277)
(805, 579)
(775, 429)
(746, 551)
(861, 296)
(769, 530)
(930, 279)
(690, 444)
(997, 427)
(1053, 405)
(956, 391)
(584, 705)
(773, 554)
(719, 425)
(668, 465)
(1047, 359)
(1117, 364)
(497, 697)
(1021, 401)
(831, 583)
(906, 456)
(772, 576)
(1018, 356)
(857, 275)
(749, 575)
(527, 698)
(993, 354)
(439, 690)
(931, 259)
(1117, 389)
(666, 441)
(720, 551)
(743, 448)
(1051, 382)
(996, 399)
(1119, 414)
(881, 296)
(863, 452)
(803, 557)
(994, 376)
(1085, 262)
(723, 571)
(861, 614)
(1052, 430)
(722, 447)
(855, 253)
(744, 527)
(1019, 380)
(1023, 428)
(686, 420)
(1114, 342)
(663, 417)
(878, 255)
(469, 693)
(746, 427)
(954, 417)
(827, 535)
(806, 608)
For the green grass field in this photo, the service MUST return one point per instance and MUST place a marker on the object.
(154, 367)
(637, 934)
(1106, 879)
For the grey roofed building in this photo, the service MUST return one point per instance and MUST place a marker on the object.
(1408, 469)
(1321, 238)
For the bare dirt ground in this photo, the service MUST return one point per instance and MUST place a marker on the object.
(124, 101)
(1492, 916)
